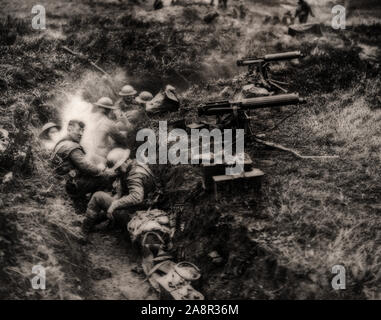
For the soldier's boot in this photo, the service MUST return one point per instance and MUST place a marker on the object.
(89, 222)
(88, 225)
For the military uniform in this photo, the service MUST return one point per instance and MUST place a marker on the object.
(111, 134)
(130, 190)
(221, 3)
(106, 129)
(302, 11)
(82, 176)
(124, 106)
(127, 125)
(158, 4)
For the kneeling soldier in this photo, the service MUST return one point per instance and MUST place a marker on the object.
(134, 181)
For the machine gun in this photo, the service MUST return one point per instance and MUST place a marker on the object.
(263, 64)
(234, 113)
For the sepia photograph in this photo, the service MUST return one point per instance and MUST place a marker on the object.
(190, 150)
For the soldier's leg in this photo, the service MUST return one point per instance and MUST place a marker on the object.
(303, 18)
(96, 210)
(91, 184)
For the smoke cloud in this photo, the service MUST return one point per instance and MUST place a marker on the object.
(76, 103)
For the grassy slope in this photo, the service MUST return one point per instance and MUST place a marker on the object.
(317, 213)
(314, 213)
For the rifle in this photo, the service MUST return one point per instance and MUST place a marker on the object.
(263, 63)
(86, 59)
(236, 110)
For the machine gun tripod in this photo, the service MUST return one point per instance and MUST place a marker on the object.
(263, 66)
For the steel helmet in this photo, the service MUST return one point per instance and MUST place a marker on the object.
(144, 97)
(127, 90)
(116, 157)
(48, 126)
(105, 102)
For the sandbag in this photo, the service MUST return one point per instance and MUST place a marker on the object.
(164, 101)
(251, 91)
(300, 29)
(146, 221)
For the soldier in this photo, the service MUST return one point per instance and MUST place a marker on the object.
(303, 10)
(108, 132)
(242, 9)
(288, 18)
(127, 101)
(127, 126)
(50, 131)
(134, 181)
(130, 114)
(221, 3)
(158, 4)
(144, 97)
(104, 106)
(69, 160)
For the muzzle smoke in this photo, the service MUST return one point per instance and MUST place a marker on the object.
(77, 105)
(79, 109)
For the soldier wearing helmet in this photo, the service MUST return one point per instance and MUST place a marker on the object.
(303, 11)
(69, 160)
(104, 106)
(130, 113)
(127, 98)
(108, 134)
(50, 131)
(134, 181)
(144, 97)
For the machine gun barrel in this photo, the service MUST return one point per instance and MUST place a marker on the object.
(224, 107)
(269, 58)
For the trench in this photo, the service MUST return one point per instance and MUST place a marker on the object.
(247, 269)
(115, 263)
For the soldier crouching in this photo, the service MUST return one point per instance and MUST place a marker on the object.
(134, 181)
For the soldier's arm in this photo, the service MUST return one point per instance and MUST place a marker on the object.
(117, 133)
(297, 11)
(134, 197)
(78, 158)
(310, 9)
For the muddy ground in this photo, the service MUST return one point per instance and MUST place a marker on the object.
(280, 242)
